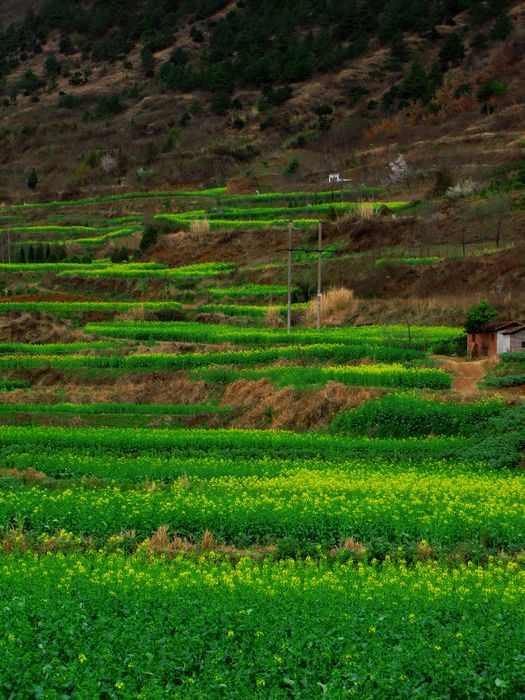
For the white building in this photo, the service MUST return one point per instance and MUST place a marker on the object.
(511, 339)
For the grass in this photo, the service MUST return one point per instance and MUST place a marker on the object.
(408, 261)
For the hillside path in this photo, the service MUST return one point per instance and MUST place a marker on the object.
(465, 373)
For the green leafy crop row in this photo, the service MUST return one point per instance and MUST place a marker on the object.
(418, 337)
(410, 416)
(237, 358)
(393, 375)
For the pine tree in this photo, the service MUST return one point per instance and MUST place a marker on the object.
(32, 179)
(417, 86)
(452, 52)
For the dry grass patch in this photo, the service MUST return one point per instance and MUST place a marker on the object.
(200, 227)
(338, 306)
(273, 318)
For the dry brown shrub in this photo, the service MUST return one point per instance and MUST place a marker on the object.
(200, 226)
(273, 318)
(338, 306)
(135, 313)
(353, 546)
(207, 540)
(364, 211)
(26, 475)
(161, 542)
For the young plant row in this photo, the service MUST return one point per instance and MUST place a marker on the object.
(185, 220)
(128, 271)
(11, 385)
(58, 267)
(408, 261)
(430, 338)
(237, 358)
(213, 192)
(251, 311)
(248, 290)
(393, 375)
(221, 444)
(65, 308)
(95, 409)
(57, 348)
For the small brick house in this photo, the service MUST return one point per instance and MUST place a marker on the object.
(498, 337)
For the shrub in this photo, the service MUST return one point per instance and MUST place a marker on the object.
(465, 188)
(108, 106)
(492, 88)
(479, 316)
(149, 237)
(292, 167)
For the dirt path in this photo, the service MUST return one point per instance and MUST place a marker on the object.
(465, 373)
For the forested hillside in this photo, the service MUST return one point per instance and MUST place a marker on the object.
(170, 77)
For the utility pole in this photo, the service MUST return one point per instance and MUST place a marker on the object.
(319, 273)
(290, 227)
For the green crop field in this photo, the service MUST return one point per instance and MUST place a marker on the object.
(230, 510)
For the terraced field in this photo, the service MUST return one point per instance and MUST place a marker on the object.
(196, 509)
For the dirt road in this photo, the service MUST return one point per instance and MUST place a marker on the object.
(465, 373)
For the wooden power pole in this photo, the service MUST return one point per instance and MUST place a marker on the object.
(290, 227)
(319, 274)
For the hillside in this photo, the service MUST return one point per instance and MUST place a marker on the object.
(195, 93)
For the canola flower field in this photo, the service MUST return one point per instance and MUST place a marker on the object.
(379, 555)
(285, 629)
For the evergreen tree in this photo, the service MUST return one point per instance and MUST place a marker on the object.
(148, 62)
(452, 52)
(39, 253)
(30, 255)
(502, 28)
(417, 86)
(149, 237)
(391, 21)
(22, 255)
(32, 179)
(52, 65)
